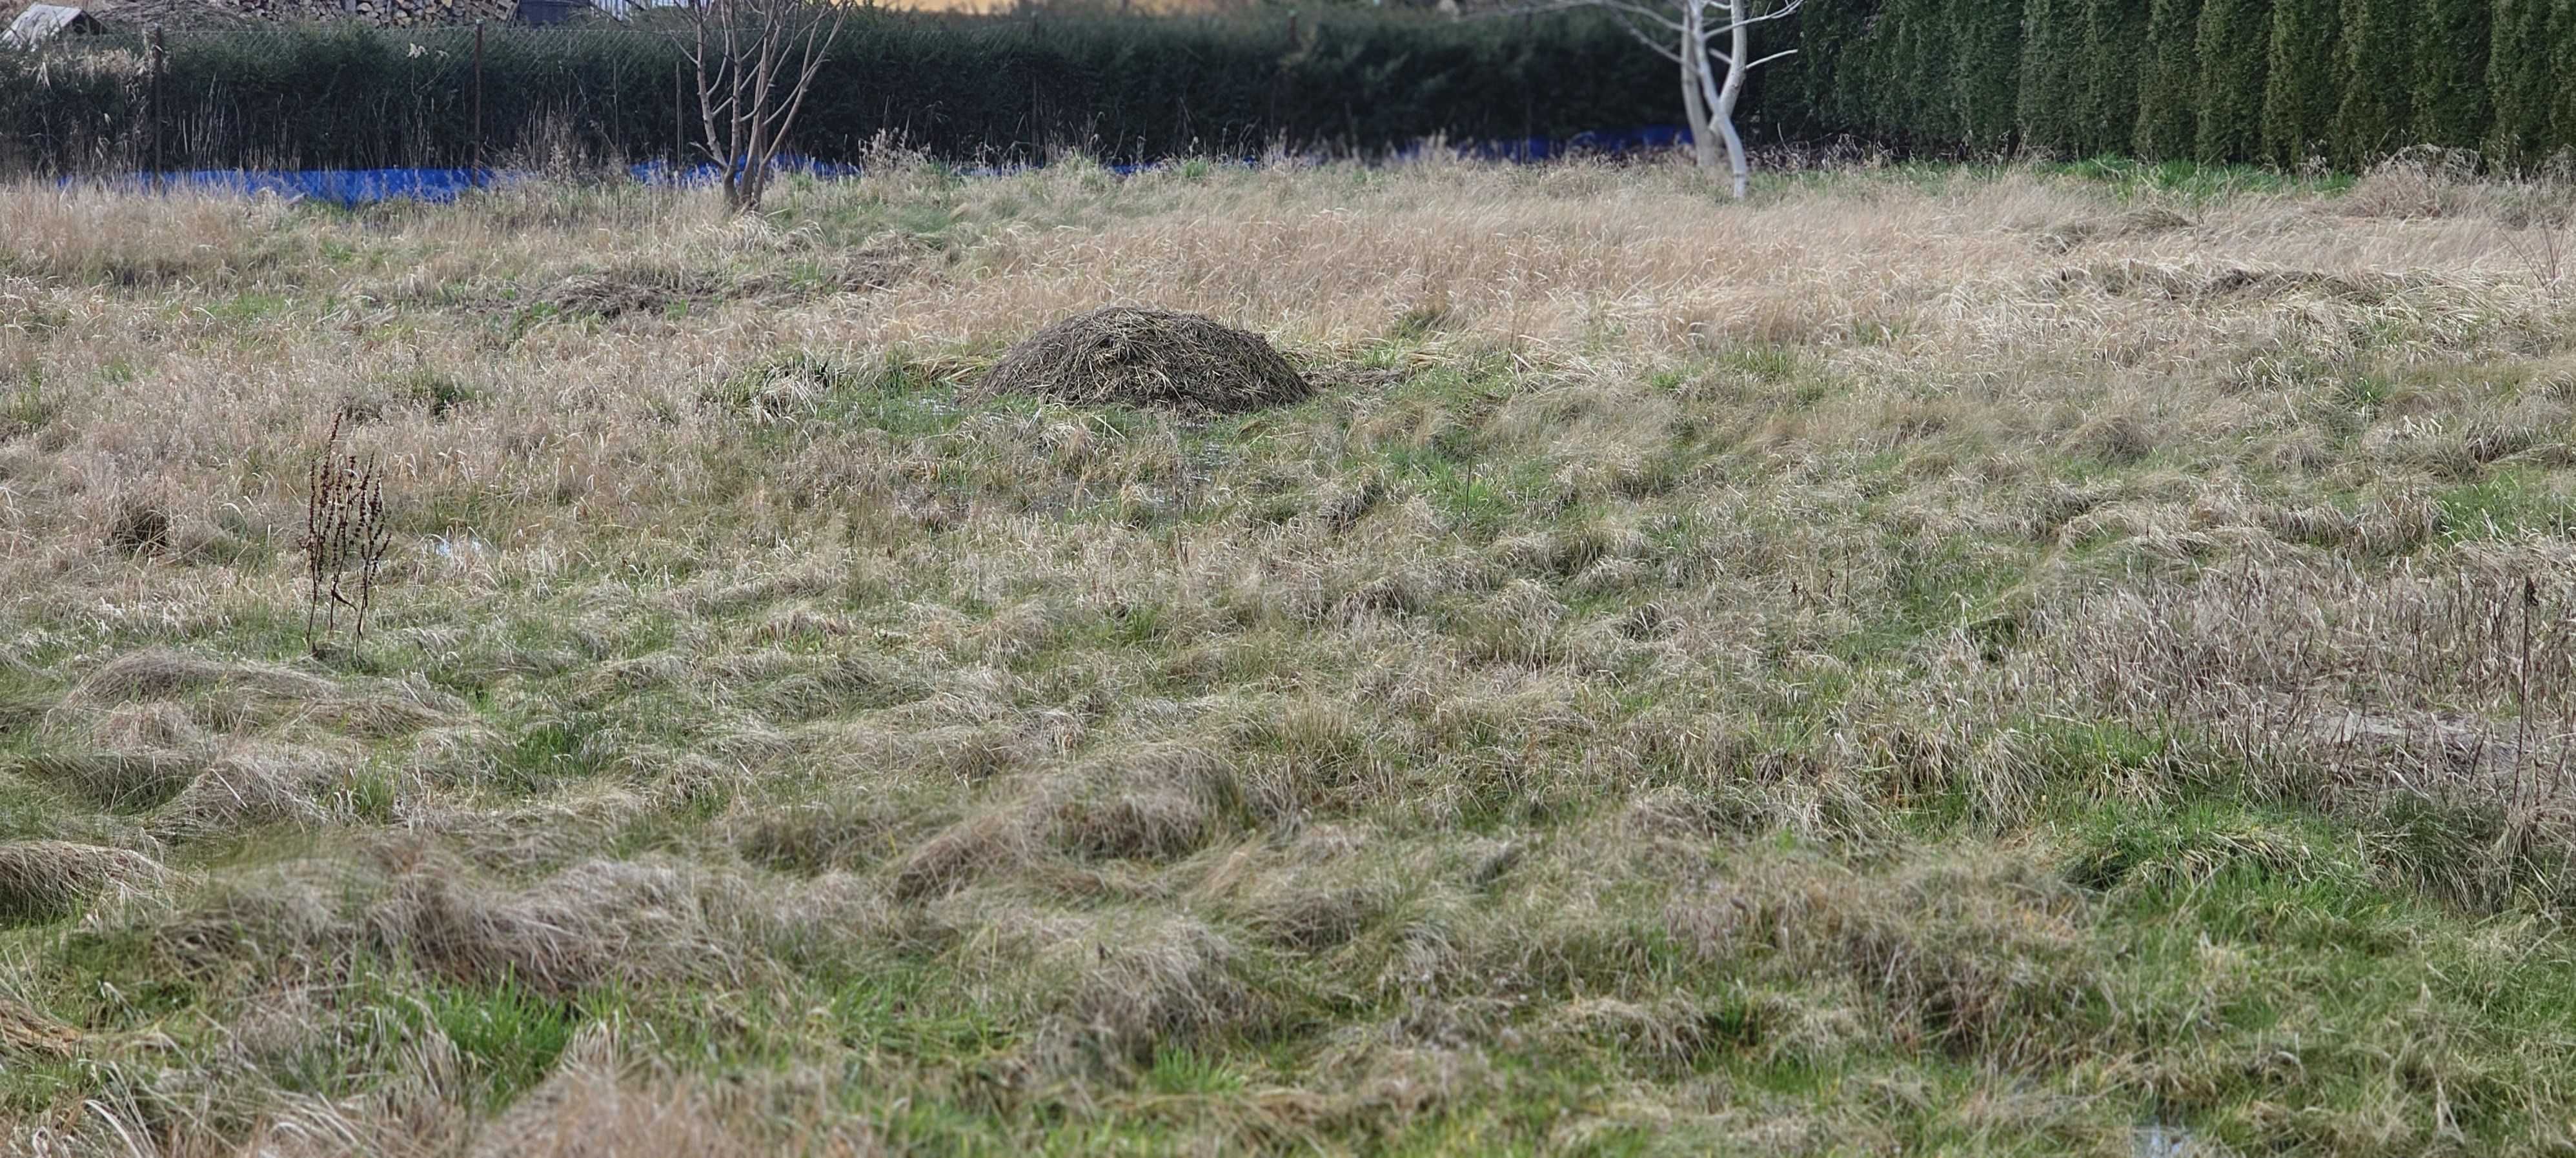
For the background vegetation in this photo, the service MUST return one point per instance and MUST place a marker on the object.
(2285, 82)
(964, 89)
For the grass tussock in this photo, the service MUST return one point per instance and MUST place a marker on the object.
(1929, 659)
(42, 879)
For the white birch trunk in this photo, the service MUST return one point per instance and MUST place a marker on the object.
(1694, 101)
(1721, 98)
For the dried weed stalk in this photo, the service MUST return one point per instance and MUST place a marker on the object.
(345, 536)
(2545, 247)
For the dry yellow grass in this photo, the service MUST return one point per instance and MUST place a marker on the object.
(1926, 660)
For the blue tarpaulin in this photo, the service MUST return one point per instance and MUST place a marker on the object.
(706, 172)
(348, 187)
(354, 187)
(1647, 139)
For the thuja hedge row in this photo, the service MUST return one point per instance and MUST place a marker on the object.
(997, 89)
(2275, 81)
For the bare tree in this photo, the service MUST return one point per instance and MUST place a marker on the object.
(1712, 41)
(754, 61)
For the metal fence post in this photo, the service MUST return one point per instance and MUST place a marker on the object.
(156, 58)
(478, 100)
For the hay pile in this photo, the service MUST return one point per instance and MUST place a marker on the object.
(1121, 355)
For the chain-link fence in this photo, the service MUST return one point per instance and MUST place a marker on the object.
(342, 98)
(993, 91)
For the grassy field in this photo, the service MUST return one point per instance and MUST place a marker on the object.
(2026, 661)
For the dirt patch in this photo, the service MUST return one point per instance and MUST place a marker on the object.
(1121, 355)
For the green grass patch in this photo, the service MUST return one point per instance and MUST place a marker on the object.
(508, 1035)
(2509, 503)
(2193, 181)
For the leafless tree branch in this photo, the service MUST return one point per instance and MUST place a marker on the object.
(755, 62)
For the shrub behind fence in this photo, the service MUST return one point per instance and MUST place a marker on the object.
(998, 90)
(2278, 81)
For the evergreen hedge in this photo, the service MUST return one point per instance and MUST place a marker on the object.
(2450, 75)
(2235, 56)
(2114, 32)
(1985, 77)
(969, 89)
(2052, 75)
(2169, 82)
(1916, 51)
(2519, 80)
(2372, 108)
(1809, 93)
(2299, 86)
(2275, 81)
(2562, 63)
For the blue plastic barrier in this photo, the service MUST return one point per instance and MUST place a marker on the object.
(706, 172)
(350, 188)
(1599, 143)
(346, 187)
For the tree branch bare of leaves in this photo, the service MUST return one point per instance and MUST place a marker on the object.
(755, 61)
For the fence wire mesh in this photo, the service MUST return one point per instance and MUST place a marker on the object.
(599, 92)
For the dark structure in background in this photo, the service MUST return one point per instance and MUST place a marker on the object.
(40, 23)
(546, 13)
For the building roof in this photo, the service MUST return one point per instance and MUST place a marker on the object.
(41, 22)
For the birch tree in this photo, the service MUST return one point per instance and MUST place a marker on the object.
(754, 61)
(1712, 43)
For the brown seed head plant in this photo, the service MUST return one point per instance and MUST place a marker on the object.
(345, 536)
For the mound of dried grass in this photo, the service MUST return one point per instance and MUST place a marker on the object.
(595, 1103)
(43, 879)
(161, 673)
(2206, 282)
(1122, 355)
(597, 921)
(253, 786)
(118, 781)
(636, 287)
